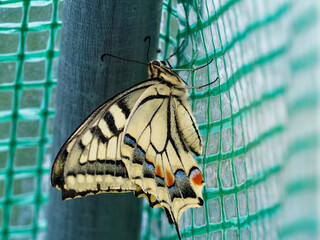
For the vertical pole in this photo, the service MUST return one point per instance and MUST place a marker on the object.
(90, 29)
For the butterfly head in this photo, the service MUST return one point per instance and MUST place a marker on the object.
(159, 70)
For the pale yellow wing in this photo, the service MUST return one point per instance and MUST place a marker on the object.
(187, 126)
(156, 148)
(89, 162)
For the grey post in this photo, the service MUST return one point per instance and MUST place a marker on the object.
(90, 29)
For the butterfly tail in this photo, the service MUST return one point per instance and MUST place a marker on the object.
(172, 220)
(177, 228)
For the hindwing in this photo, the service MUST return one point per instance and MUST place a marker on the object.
(155, 150)
(90, 162)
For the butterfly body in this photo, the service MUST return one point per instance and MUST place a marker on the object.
(141, 140)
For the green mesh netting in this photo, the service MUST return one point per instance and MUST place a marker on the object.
(244, 119)
(257, 123)
(29, 41)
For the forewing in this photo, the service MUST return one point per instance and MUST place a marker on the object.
(156, 155)
(187, 126)
(89, 162)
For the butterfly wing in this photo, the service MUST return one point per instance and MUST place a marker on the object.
(89, 162)
(155, 151)
(187, 127)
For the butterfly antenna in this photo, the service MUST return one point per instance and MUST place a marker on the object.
(128, 60)
(167, 60)
(194, 69)
(176, 51)
(145, 39)
(204, 85)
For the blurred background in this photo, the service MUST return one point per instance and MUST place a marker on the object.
(259, 122)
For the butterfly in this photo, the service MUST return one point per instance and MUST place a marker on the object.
(141, 140)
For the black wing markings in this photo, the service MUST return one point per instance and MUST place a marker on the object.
(57, 173)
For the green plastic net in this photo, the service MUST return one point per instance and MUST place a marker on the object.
(248, 119)
(29, 41)
(257, 122)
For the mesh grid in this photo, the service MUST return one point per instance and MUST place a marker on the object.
(299, 215)
(29, 32)
(243, 118)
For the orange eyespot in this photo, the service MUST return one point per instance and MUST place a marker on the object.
(159, 171)
(196, 176)
(169, 179)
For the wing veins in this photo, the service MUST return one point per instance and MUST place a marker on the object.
(193, 123)
(169, 134)
(149, 122)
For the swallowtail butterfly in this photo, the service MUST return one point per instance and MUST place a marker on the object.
(141, 141)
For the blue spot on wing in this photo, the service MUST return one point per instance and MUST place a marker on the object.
(160, 179)
(128, 140)
(150, 166)
(180, 174)
(183, 183)
(141, 152)
(148, 169)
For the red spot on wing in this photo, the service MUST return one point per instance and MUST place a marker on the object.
(196, 177)
(159, 171)
(169, 179)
